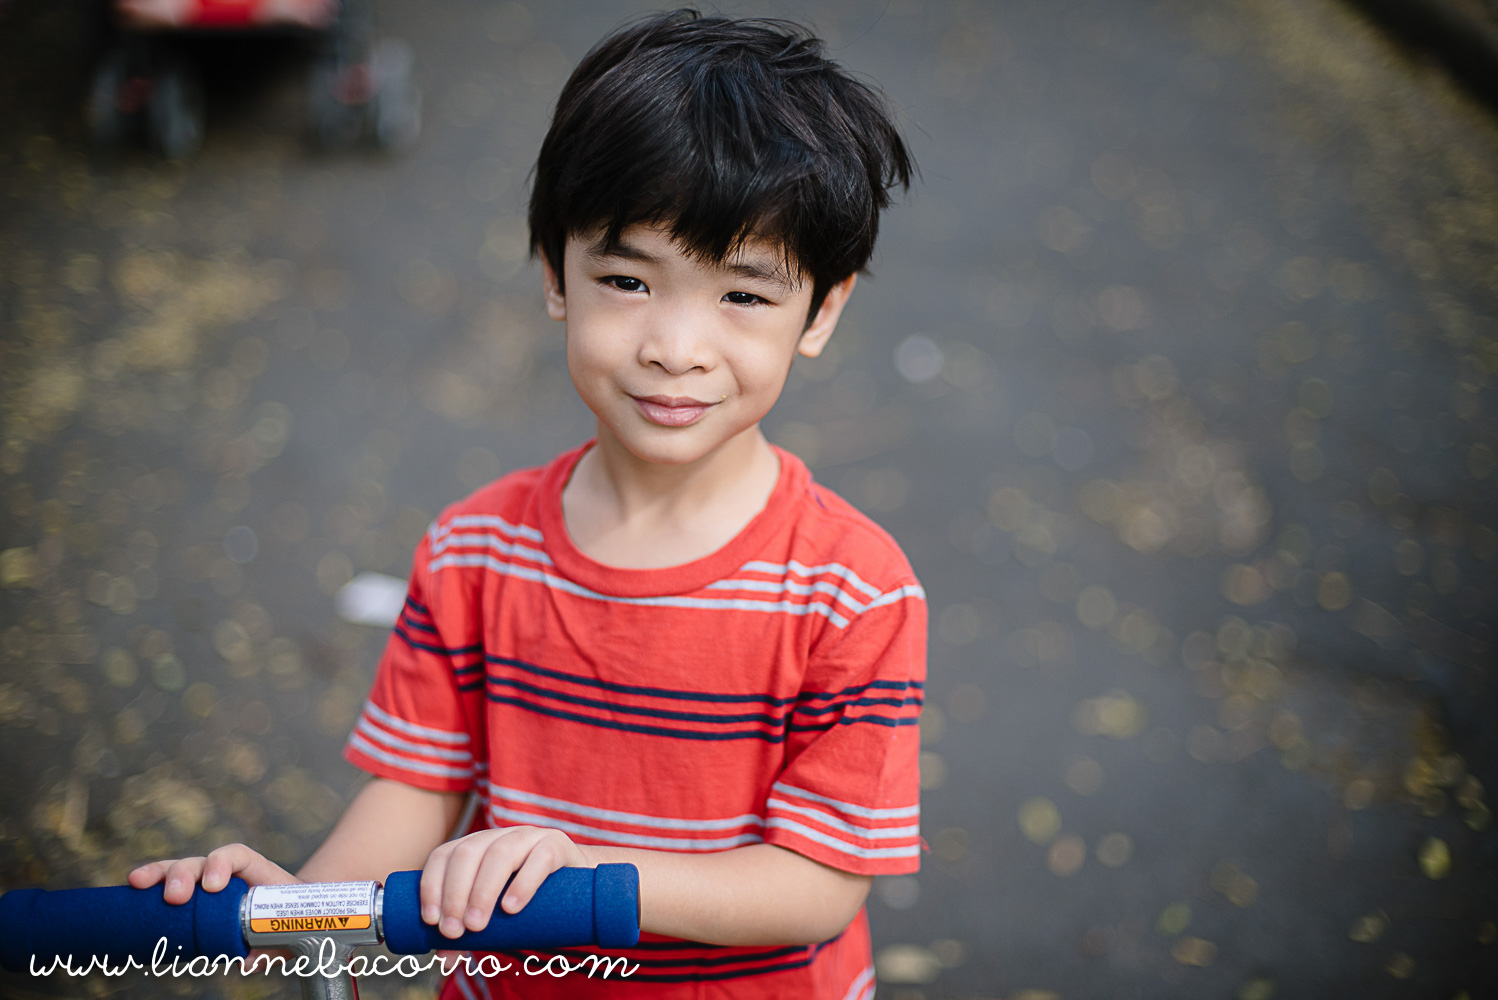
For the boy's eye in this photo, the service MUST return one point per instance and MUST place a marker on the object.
(743, 298)
(625, 283)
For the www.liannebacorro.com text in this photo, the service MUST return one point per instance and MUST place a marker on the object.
(326, 964)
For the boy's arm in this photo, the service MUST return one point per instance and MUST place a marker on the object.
(754, 895)
(388, 827)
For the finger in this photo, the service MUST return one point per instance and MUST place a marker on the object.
(494, 871)
(237, 859)
(543, 859)
(181, 879)
(148, 875)
(457, 882)
(430, 892)
(218, 868)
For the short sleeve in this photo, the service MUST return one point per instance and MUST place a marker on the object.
(849, 796)
(418, 724)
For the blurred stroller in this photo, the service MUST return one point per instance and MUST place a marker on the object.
(361, 88)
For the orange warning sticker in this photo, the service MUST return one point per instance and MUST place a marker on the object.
(313, 908)
(299, 925)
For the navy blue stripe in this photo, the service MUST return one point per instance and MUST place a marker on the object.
(407, 620)
(470, 686)
(698, 963)
(428, 647)
(418, 606)
(671, 693)
(858, 703)
(700, 972)
(682, 963)
(853, 720)
(685, 734)
(654, 713)
(650, 692)
(678, 946)
(471, 668)
(692, 977)
(860, 689)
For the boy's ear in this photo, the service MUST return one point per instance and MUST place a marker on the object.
(556, 301)
(814, 337)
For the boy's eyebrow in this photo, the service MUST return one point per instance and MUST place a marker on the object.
(621, 249)
(774, 275)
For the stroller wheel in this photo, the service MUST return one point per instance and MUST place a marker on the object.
(337, 99)
(109, 96)
(175, 113)
(397, 99)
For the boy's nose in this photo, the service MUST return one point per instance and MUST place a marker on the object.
(676, 344)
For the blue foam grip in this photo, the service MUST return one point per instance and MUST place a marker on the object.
(118, 921)
(574, 906)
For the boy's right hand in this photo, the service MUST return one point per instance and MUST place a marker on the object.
(213, 872)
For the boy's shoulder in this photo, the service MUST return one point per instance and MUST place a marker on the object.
(509, 496)
(828, 529)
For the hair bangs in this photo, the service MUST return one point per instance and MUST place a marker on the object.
(722, 132)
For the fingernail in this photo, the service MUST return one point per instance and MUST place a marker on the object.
(172, 885)
(429, 914)
(450, 927)
(474, 916)
(510, 904)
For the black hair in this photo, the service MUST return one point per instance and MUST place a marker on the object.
(720, 130)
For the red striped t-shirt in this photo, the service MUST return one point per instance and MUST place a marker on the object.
(768, 692)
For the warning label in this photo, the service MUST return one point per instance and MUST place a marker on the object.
(313, 906)
(278, 925)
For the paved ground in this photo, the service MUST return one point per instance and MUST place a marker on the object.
(1174, 377)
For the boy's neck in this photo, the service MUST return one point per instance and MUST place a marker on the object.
(625, 512)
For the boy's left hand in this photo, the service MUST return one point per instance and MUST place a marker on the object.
(462, 878)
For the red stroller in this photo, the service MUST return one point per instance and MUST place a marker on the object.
(361, 87)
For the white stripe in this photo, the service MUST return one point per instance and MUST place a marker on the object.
(461, 978)
(624, 839)
(424, 749)
(633, 819)
(489, 521)
(786, 586)
(415, 766)
(490, 542)
(567, 586)
(837, 569)
(412, 729)
(856, 991)
(827, 840)
(866, 832)
(899, 593)
(847, 808)
(878, 599)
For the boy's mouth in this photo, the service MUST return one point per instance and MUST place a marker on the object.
(672, 411)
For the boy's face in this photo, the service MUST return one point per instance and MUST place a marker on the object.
(677, 358)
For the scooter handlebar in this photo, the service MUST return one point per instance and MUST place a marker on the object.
(574, 906)
(119, 921)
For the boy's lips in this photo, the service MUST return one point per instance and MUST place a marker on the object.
(672, 411)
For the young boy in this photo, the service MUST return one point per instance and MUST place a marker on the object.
(669, 646)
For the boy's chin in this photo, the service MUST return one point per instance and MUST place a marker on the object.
(677, 447)
(667, 453)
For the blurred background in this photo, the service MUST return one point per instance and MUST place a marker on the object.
(1174, 377)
